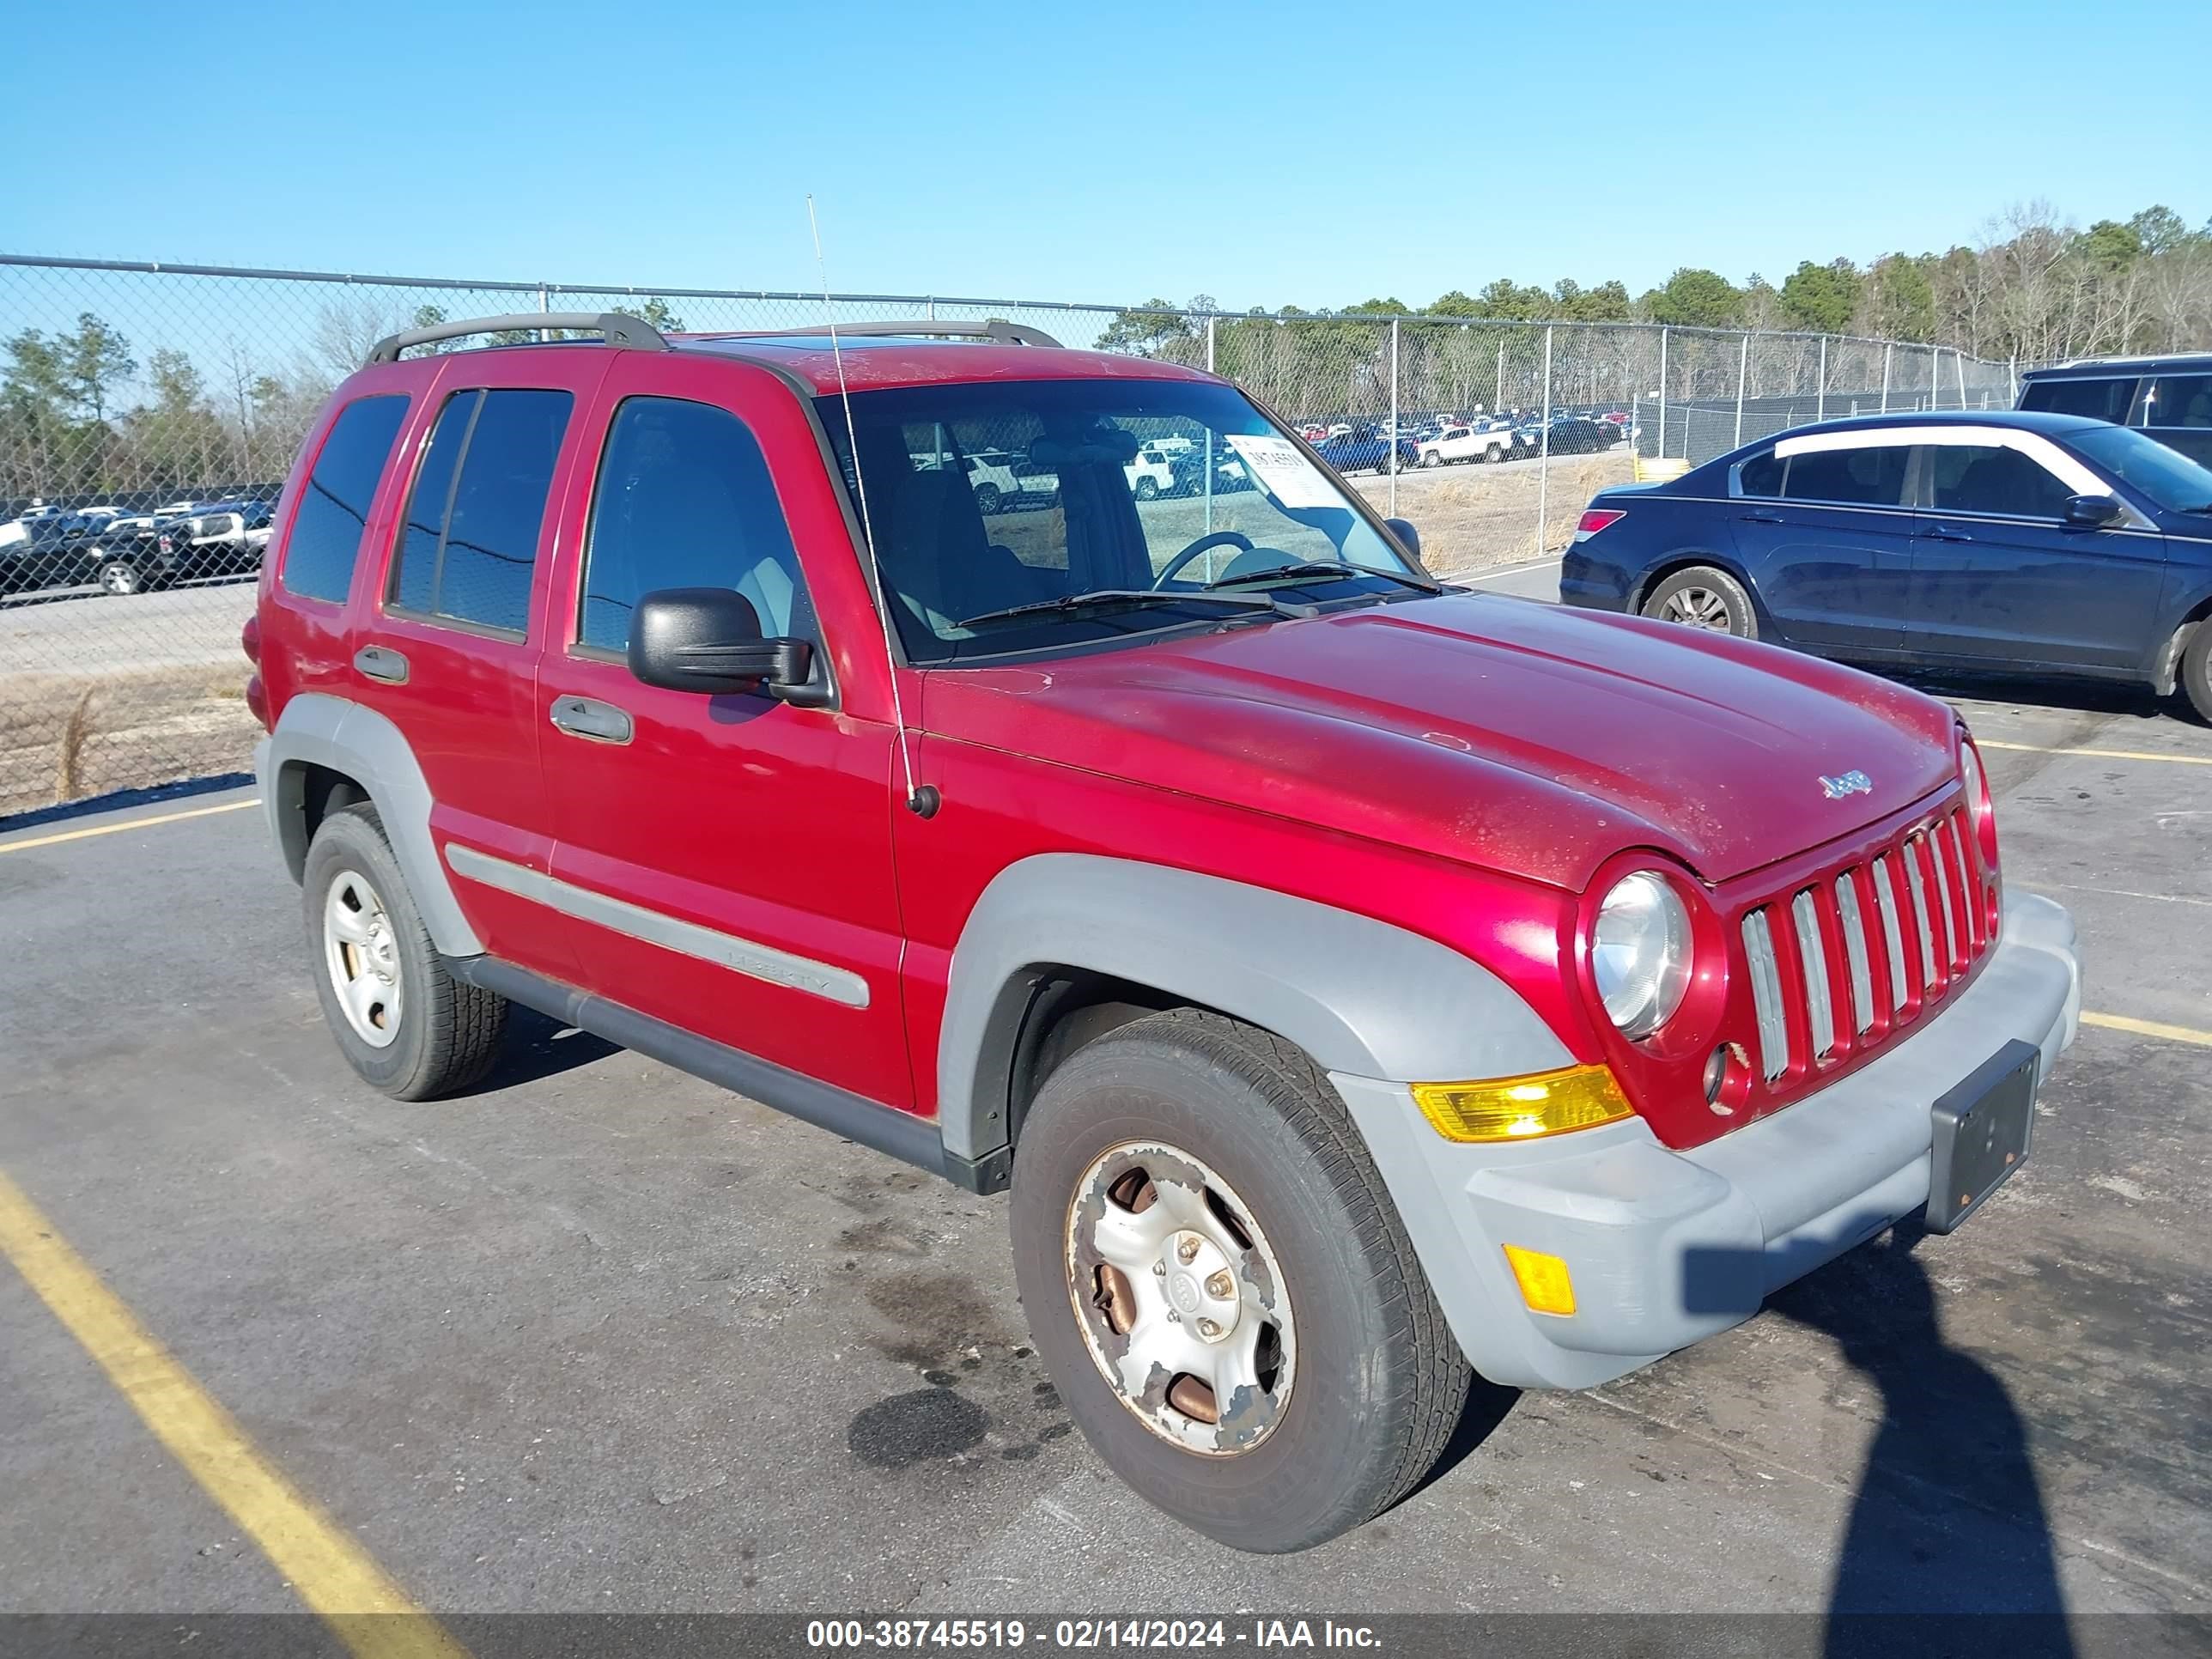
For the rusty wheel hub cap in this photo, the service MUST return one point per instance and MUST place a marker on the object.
(1181, 1299)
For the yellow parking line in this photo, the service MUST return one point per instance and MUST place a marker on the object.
(2096, 754)
(2149, 1028)
(127, 823)
(328, 1571)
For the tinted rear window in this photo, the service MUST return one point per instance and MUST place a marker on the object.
(2099, 399)
(1874, 476)
(325, 539)
(471, 546)
(2180, 400)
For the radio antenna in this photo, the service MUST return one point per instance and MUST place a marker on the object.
(921, 799)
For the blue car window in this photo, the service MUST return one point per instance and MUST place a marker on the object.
(1874, 476)
(1985, 478)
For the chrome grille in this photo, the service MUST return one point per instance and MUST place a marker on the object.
(1852, 933)
(1855, 949)
(1766, 995)
(1812, 959)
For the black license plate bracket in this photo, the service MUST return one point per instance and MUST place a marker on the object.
(1983, 1125)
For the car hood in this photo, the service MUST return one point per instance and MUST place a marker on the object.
(1523, 738)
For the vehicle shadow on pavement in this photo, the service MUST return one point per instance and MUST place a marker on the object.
(1487, 1403)
(536, 1048)
(2084, 696)
(1947, 1521)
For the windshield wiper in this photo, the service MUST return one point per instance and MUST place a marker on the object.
(1308, 568)
(1117, 598)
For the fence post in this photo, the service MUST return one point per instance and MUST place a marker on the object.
(1393, 416)
(1497, 404)
(1662, 454)
(1544, 454)
(1959, 362)
(1886, 348)
(2012, 378)
(1210, 321)
(1820, 395)
(545, 307)
(1742, 369)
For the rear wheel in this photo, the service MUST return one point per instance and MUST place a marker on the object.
(402, 1021)
(1432, 458)
(1704, 597)
(1147, 489)
(1221, 1288)
(987, 498)
(120, 577)
(2196, 670)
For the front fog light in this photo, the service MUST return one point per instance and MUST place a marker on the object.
(1640, 953)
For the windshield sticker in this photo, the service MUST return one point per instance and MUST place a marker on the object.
(1283, 472)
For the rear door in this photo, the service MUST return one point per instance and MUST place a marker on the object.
(448, 649)
(1999, 576)
(725, 862)
(1825, 534)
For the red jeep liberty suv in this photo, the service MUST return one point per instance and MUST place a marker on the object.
(1360, 983)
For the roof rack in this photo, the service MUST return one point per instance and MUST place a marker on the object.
(619, 329)
(1002, 332)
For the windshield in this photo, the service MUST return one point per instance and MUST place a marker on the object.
(987, 497)
(2173, 482)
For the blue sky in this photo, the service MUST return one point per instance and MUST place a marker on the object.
(1264, 155)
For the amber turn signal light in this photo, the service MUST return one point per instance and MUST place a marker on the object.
(1523, 1107)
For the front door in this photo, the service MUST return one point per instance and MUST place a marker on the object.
(1998, 575)
(1826, 537)
(724, 862)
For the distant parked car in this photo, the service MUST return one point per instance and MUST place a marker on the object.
(1368, 450)
(222, 539)
(2169, 398)
(1003, 482)
(2003, 540)
(1151, 474)
(1570, 434)
(1464, 443)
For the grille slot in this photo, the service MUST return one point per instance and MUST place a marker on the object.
(1812, 957)
(1855, 950)
(1766, 995)
(1893, 932)
(1916, 884)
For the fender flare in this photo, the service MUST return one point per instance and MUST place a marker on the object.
(1361, 996)
(319, 730)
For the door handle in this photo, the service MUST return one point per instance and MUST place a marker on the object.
(587, 717)
(1942, 535)
(381, 662)
(1763, 518)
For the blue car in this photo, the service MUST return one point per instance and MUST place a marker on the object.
(2009, 541)
(1367, 450)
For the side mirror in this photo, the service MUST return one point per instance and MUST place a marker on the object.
(708, 639)
(2093, 512)
(1408, 538)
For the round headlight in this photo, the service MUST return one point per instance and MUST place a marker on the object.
(1640, 953)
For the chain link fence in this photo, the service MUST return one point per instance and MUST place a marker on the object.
(148, 414)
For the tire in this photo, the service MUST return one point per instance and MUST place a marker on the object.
(2195, 675)
(987, 498)
(1147, 489)
(430, 1034)
(1703, 596)
(1366, 1384)
(1494, 454)
(1432, 458)
(120, 577)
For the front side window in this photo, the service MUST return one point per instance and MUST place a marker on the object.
(469, 547)
(1871, 476)
(2179, 400)
(684, 500)
(1989, 478)
(1046, 509)
(325, 540)
(2173, 481)
(2104, 399)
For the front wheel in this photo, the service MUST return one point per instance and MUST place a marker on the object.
(1221, 1288)
(1147, 489)
(987, 498)
(1432, 458)
(120, 577)
(1704, 597)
